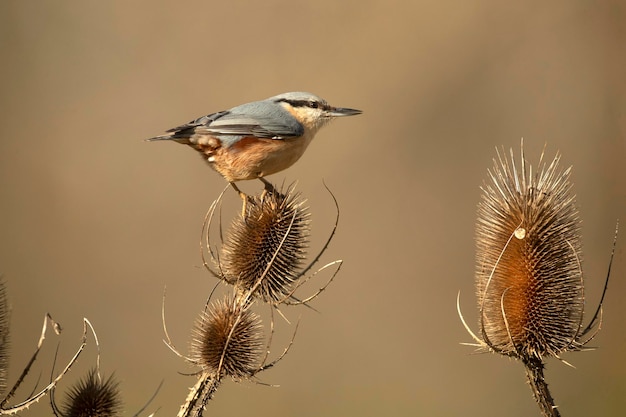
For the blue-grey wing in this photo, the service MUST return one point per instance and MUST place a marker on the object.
(261, 119)
(260, 128)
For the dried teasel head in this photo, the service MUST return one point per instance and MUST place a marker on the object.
(228, 339)
(93, 397)
(264, 251)
(528, 261)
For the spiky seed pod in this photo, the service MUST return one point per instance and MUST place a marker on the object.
(227, 339)
(4, 337)
(264, 251)
(93, 397)
(528, 275)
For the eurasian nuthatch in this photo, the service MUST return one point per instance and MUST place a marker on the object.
(257, 139)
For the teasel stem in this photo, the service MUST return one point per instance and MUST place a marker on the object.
(4, 336)
(199, 396)
(538, 385)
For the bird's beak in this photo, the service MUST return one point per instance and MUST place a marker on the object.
(343, 111)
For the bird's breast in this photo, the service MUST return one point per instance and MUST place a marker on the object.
(252, 157)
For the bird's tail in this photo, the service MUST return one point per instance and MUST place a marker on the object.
(174, 137)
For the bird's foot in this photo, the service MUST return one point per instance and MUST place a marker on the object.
(244, 198)
(268, 189)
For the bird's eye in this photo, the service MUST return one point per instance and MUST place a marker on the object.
(313, 104)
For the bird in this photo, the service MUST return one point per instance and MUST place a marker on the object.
(257, 139)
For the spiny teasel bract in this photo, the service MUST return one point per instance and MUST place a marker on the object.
(264, 251)
(93, 397)
(227, 339)
(528, 253)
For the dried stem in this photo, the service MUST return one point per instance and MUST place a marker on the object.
(199, 396)
(539, 387)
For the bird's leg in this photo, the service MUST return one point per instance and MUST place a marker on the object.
(269, 188)
(244, 197)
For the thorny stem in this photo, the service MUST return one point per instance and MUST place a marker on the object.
(539, 387)
(47, 320)
(199, 396)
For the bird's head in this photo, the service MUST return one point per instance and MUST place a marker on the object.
(311, 111)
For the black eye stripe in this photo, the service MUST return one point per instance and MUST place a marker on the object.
(306, 103)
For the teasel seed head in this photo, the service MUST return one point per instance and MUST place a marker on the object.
(227, 339)
(93, 397)
(528, 271)
(264, 251)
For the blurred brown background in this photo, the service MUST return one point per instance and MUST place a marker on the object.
(95, 222)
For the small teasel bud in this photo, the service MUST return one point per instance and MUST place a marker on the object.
(4, 337)
(93, 397)
(264, 251)
(528, 272)
(227, 339)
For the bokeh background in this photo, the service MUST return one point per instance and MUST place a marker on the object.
(95, 222)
